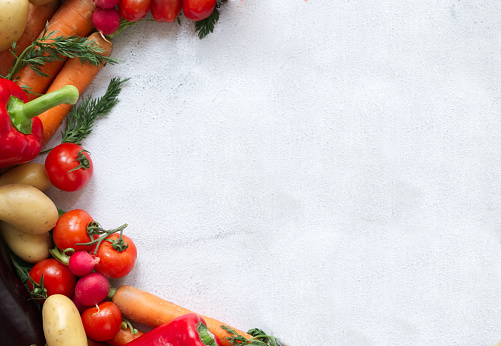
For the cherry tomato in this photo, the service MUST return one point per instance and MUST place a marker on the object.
(57, 278)
(69, 167)
(165, 10)
(71, 228)
(102, 322)
(134, 10)
(116, 264)
(196, 10)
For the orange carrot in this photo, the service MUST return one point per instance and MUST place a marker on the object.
(123, 337)
(74, 17)
(150, 310)
(74, 73)
(38, 16)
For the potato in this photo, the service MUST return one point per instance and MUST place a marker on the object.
(62, 324)
(32, 173)
(13, 16)
(27, 208)
(31, 248)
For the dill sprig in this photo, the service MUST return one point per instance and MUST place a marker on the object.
(49, 47)
(259, 338)
(206, 26)
(81, 118)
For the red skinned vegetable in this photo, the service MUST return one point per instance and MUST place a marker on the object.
(20, 129)
(117, 256)
(165, 10)
(102, 322)
(71, 228)
(196, 10)
(134, 10)
(186, 330)
(57, 279)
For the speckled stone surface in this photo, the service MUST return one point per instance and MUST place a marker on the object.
(328, 171)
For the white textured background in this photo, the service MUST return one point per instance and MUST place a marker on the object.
(328, 171)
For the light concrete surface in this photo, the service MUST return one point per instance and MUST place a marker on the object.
(327, 171)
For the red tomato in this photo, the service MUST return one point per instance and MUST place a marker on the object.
(57, 278)
(134, 10)
(116, 264)
(165, 10)
(61, 166)
(196, 10)
(71, 228)
(102, 322)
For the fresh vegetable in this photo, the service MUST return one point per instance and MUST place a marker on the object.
(71, 228)
(102, 322)
(40, 2)
(62, 324)
(27, 208)
(150, 310)
(134, 10)
(106, 3)
(20, 320)
(92, 289)
(64, 37)
(205, 26)
(69, 167)
(166, 10)
(38, 15)
(31, 248)
(106, 20)
(196, 10)
(13, 15)
(124, 336)
(49, 277)
(77, 73)
(20, 130)
(82, 263)
(117, 256)
(186, 330)
(31, 173)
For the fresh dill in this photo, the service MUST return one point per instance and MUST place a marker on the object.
(259, 338)
(49, 47)
(206, 26)
(80, 119)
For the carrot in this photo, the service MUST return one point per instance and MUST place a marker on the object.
(74, 73)
(123, 337)
(150, 310)
(91, 342)
(74, 17)
(38, 16)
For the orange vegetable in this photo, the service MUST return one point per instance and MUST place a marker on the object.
(91, 342)
(74, 17)
(150, 310)
(123, 337)
(37, 19)
(73, 73)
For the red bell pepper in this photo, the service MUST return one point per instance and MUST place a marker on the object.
(20, 128)
(186, 330)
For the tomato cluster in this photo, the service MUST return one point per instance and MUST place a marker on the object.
(108, 14)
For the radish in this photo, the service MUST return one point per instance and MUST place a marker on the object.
(106, 3)
(106, 20)
(82, 263)
(92, 289)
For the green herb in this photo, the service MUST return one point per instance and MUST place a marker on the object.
(260, 338)
(49, 48)
(81, 118)
(124, 24)
(206, 26)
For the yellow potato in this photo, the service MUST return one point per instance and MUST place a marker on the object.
(31, 248)
(27, 208)
(62, 324)
(13, 16)
(32, 173)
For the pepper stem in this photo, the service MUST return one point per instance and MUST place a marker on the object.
(22, 113)
(205, 335)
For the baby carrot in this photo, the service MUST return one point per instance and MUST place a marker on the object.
(74, 73)
(150, 310)
(38, 16)
(74, 17)
(123, 337)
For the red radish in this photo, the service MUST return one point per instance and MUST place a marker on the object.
(106, 3)
(81, 308)
(82, 263)
(106, 20)
(92, 289)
